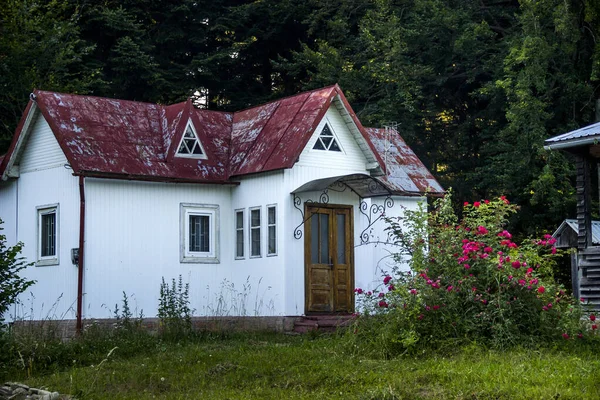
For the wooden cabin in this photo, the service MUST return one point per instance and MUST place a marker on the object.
(584, 144)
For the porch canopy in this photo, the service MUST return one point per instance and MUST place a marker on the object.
(366, 186)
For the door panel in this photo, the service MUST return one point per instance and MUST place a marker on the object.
(328, 259)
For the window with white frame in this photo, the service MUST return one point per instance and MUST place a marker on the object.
(239, 234)
(199, 233)
(271, 230)
(190, 145)
(255, 223)
(327, 141)
(47, 248)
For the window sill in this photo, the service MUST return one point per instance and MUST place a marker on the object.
(47, 262)
(199, 260)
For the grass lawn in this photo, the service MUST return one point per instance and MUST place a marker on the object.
(286, 367)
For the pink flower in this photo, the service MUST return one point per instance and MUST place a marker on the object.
(553, 251)
(420, 316)
(541, 289)
(565, 335)
(450, 288)
(481, 230)
(383, 304)
(387, 280)
(391, 288)
(505, 234)
(381, 295)
(466, 203)
(592, 317)
(413, 291)
(486, 201)
(522, 282)
(467, 266)
(594, 327)
(358, 290)
(436, 307)
(476, 204)
(529, 271)
(549, 305)
(545, 308)
(488, 249)
(516, 264)
(504, 199)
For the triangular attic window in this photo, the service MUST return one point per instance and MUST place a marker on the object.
(190, 145)
(326, 141)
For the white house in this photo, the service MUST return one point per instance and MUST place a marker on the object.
(275, 210)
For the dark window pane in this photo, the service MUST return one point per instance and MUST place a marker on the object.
(239, 243)
(334, 146)
(272, 240)
(314, 238)
(48, 235)
(239, 220)
(324, 238)
(255, 218)
(319, 145)
(271, 216)
(255, 236)
(341, 238)
(199, 236)
(204, 233)
(326, 131)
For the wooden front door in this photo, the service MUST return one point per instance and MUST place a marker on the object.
(329, 259)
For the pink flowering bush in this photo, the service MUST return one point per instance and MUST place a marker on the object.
(468, 280)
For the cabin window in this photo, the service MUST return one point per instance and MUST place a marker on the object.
(190, 145)
(199, 233)
(272, 230)
(255, 224)
(47, 220)
(326, 141)
(239, 234)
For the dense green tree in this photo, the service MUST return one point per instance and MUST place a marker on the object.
(474, 85)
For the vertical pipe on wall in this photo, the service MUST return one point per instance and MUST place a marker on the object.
(81, 253)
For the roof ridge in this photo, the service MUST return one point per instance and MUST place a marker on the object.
(291, 121)
(286, 97)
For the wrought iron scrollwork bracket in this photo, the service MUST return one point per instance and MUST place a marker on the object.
(323, 199)
(373, 214)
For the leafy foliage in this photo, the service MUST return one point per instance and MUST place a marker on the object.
(475, 85)
(11, 284)
(468, 282)
(174, 309)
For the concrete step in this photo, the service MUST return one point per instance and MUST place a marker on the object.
(322, 323)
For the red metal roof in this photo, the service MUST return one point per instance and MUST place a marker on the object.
(406, 173)
(134, 140)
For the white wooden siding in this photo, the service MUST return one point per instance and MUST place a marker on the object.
(41, 151)
(351, 158)
(55, 291)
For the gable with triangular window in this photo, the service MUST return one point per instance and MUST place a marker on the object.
(190, 145)
(327, 141)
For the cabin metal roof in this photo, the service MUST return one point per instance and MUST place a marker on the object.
(134, 140)
(573, 226)
(580, 137)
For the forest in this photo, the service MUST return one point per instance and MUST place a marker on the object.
(475, 86)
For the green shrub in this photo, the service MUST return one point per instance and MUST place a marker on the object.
(468, 281)
(11, 284)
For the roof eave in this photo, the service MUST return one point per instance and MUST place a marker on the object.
(567, 144)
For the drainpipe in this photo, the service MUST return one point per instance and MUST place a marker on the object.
(79, 326)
